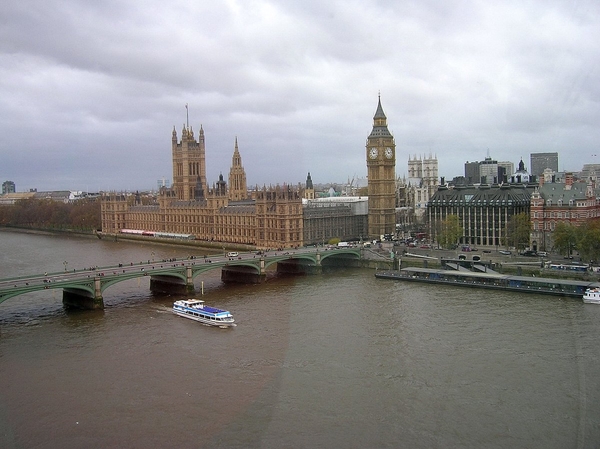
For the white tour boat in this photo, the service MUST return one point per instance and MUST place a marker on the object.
(592, 296)
(194, 309)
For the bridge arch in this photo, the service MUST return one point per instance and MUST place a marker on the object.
(90, 285)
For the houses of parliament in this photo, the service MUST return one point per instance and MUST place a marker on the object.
(282, 216)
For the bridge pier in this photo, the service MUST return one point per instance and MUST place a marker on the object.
(293, 266)
(170, 284)
(319, 267)
(241, 275)
(81, 299)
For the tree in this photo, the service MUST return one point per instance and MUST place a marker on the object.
(564, 238)
(45, 213)
(588, 240)
(517, 231)
(450, 231)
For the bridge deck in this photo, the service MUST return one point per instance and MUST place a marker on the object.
(94, 280)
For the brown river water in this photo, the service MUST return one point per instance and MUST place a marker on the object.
(339, 359)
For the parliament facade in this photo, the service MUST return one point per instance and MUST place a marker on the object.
(226, 212)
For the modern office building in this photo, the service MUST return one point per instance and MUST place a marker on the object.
(483, 211)
(343, 217)
(505, 169)
(8, 187)
(488, 171)
(541, 161)
(472, 173)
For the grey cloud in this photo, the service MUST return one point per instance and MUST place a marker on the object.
(297, 82)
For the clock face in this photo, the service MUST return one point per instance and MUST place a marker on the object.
(373, 153)
(389, 153)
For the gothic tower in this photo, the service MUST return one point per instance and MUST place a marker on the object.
(189, 165)
(309, 191)
(237, 177)
(381, 172)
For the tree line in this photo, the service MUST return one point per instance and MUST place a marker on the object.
(82, 215)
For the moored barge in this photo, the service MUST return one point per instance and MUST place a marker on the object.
(491, 280)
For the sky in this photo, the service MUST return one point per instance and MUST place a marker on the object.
(90, 90)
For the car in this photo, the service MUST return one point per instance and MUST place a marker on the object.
(542, 253)
(505, 252)
(529, 253)
(233, 254)
(487, 251)
(476, 258)
(462, 257)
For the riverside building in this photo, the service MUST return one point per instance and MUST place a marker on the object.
(268, 217)
(483, 211)
(570, 202)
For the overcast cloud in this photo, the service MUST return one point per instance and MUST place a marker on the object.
(90, 91)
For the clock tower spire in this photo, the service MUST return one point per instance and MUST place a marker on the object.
(381, 174)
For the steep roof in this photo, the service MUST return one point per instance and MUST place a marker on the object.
(483, 195)
(380, 128)
(379, 112)
(556, 191)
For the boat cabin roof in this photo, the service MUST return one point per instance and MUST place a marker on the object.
(194, 303)
(492, 275)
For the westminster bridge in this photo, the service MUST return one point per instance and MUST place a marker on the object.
(84, 288)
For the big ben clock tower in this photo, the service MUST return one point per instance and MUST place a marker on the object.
(381, 172)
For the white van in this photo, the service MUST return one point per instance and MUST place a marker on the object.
(233, 254)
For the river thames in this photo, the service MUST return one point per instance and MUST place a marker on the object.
(334, 360)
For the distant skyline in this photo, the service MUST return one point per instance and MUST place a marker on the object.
(91, 90)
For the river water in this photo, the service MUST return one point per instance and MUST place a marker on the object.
(334, 360)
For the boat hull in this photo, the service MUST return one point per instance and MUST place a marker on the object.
(592, 296)
(206, 321)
